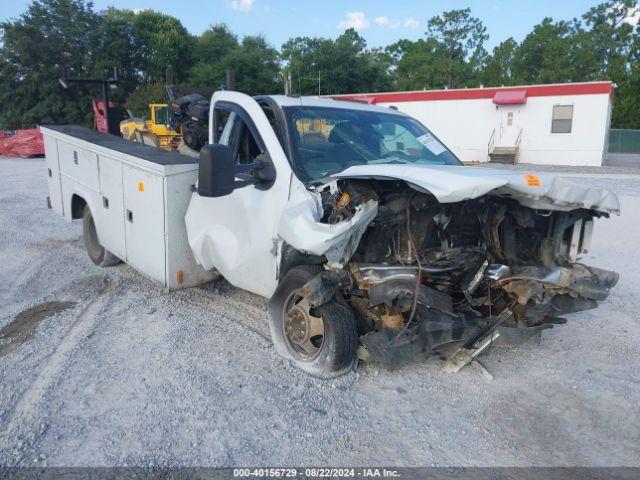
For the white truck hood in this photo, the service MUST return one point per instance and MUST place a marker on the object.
(453, 183)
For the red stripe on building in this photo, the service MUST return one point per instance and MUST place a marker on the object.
(480, 93)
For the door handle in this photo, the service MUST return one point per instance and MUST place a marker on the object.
(130, 216)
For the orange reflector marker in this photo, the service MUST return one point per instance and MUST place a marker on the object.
(140, 187)
(532, 180)
(179, 278)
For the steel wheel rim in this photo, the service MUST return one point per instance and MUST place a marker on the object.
(302, 326)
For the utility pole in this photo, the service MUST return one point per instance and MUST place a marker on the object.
(106, 84)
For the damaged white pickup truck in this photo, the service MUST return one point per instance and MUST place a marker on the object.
(367, 234)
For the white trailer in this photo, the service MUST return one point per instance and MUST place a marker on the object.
(362, 228)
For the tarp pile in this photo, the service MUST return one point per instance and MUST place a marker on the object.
(25, 144)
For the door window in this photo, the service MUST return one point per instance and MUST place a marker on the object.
(162, 116)
(246, 149)
(239, 134)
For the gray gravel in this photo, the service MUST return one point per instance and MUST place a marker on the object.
(132, 375)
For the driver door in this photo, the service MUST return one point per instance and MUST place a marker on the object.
(237, 234)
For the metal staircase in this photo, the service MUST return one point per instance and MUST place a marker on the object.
(503, 154)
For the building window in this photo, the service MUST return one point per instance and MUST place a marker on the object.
(562, 119)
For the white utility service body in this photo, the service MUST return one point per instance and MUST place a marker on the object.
(138, 196)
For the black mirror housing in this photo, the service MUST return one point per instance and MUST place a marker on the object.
(216, 175)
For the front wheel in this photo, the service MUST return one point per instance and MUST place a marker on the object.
(322, 340)
(97, 253)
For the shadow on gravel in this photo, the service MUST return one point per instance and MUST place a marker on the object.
(22, 328)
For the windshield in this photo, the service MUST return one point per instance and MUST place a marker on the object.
(329, 140)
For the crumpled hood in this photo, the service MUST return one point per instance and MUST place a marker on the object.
(453, 183)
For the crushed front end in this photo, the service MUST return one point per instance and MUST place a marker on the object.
(420, 273)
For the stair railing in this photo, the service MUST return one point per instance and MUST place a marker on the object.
(492, 140)
(515, 158)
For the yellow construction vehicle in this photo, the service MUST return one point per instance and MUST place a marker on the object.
(154, 131)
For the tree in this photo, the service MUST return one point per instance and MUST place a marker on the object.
(212, 55)
(255, 66)
(462, 38)
(161, 40)
(498, 69)
(118, 47)
(546, 55)
(311, 63)
(253, 61)
(610, 50)
(417, 65)
(610, 37)
(144, 95)
(50, 36)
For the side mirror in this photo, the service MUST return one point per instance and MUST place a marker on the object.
(216, 176)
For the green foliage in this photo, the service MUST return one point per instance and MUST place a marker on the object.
(253, 61)
(255, 66)
(312, 65)
(498, 69)
(417, 65)
(213, 51)
(460, 39)
(56, 35)
(161, 40)
(545, 55)
(143, 96)
(50, 34)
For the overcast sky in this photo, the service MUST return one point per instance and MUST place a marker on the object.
(380, 22)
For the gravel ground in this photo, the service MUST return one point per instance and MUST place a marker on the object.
(130, 375)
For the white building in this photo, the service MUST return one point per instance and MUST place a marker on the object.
(558, 124)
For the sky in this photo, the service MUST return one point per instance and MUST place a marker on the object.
(379, 22)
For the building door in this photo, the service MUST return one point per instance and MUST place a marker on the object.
(509, 128)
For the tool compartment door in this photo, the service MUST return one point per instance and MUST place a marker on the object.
(144, 221)
(80, 164)
(53, 174)
(111, 224)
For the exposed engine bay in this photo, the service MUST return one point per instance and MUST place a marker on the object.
(423, 273)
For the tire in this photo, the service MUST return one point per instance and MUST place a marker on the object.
(97, 253)
(336, 348)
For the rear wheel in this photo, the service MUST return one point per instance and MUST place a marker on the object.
(97, 253)
(322, 340)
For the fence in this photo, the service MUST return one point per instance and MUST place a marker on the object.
(624, 141)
